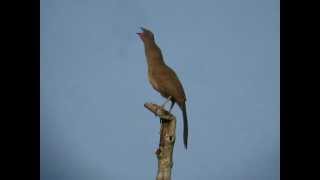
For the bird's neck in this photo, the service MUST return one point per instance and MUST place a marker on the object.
(153, 54)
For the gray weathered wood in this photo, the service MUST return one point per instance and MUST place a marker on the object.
(167, 139)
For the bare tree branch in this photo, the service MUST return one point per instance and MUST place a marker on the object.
(167, 139)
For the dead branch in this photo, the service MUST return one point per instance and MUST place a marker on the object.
(167, 139)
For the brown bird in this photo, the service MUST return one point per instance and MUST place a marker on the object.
(163, 79)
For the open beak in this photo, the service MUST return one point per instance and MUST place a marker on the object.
(141, 33)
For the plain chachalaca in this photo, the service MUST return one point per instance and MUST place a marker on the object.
(163, 78)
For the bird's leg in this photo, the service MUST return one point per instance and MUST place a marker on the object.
(168, 99)
(172, 104)
(162, 106)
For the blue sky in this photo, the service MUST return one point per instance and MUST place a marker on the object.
(94, 84)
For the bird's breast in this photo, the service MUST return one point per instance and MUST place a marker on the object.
(153, 80)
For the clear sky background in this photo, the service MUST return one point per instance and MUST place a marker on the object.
(94, 84)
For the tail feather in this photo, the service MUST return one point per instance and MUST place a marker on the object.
(185, 124)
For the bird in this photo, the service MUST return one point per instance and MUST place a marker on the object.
(163, 78)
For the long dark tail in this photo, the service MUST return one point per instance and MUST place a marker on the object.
(185, 124)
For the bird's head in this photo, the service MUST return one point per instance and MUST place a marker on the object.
(146, 35)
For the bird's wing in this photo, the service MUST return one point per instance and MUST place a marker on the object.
(174, 86)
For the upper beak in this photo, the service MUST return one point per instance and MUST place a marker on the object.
(141, 33)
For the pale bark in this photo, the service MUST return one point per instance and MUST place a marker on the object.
(167, 139)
